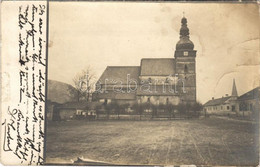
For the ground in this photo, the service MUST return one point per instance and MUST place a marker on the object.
(208, 141)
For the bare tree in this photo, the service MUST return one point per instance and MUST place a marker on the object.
(84, 83)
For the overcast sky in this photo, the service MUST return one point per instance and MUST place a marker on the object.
(100, 34)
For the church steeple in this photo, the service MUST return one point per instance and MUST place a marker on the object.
(185, 63)
(184, 43)
(234, 89)
(184, 31)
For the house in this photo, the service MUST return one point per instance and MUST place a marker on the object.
(224, 105)
(82, 109)
(52, 110)
(156, 80)
(248, 103)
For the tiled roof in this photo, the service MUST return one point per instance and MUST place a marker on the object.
(218, 101)
(253, 94)
(117, 74)
(157, 67)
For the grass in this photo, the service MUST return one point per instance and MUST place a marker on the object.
(209, 141)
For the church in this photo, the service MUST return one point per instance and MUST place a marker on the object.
(156, 80)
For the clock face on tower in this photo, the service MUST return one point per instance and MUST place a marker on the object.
(185, 53)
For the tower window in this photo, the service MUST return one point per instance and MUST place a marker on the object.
(185, 53)
(185, 68)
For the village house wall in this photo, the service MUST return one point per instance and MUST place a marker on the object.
(66, 114)
(248, 107)
(220, 109)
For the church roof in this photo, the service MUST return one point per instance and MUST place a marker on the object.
(218, 101)
(119, 74)
(157, 67)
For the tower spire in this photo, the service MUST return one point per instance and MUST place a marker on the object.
(234, 89)
(184, 31)
(184, 43)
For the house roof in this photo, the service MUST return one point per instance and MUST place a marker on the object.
(79, 105)
(118, 74)
(252, 94)
(218, 101)
(157, 67)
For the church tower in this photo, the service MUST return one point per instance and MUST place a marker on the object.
(185, 65)
(234, 89)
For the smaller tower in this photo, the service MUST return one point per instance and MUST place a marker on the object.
(234, 89)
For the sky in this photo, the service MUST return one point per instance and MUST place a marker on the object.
(100, 34)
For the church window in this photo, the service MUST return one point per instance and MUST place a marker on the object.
(167, 100)
(185, 53)
(227, 107)
(185, 68)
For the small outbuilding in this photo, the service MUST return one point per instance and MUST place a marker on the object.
(78, 110)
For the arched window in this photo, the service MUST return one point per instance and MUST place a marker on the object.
(185, 68)
(167, 100)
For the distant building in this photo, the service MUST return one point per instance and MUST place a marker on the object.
(156, 80)
(248, 103)
(244, 105)
(223, 105)
(52, 113)
(72, 110)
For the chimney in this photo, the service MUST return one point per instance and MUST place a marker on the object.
(226, 95)
(212, 98)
